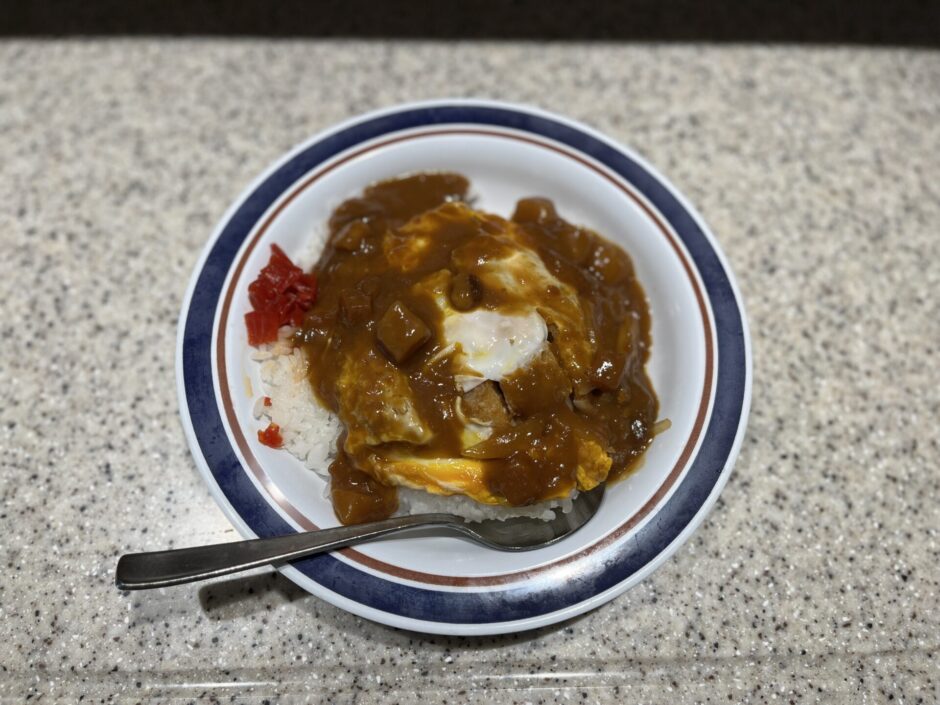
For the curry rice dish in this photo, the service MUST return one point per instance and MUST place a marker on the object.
(477, 365)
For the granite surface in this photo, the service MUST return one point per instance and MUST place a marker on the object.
(816, 577)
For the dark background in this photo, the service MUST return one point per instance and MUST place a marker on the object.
(907, 22)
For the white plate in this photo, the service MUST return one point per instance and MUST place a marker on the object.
(700, 365)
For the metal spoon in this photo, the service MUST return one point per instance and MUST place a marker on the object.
(140, 571)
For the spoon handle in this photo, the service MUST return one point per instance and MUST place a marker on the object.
(141, 571)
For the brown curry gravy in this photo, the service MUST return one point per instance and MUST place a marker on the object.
(532, 454)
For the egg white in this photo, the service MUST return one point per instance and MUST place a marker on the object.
(491, 345)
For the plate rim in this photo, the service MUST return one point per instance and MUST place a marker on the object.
(489, 627)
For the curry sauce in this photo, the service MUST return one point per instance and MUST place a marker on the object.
(409, 274)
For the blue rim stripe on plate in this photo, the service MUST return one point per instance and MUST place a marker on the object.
(490, 604)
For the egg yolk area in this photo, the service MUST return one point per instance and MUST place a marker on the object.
(469, 354)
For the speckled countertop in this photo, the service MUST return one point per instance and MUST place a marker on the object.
(815, 579)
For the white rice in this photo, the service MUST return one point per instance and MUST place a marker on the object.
(310, 431)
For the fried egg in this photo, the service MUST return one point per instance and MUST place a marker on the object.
(485, 343)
